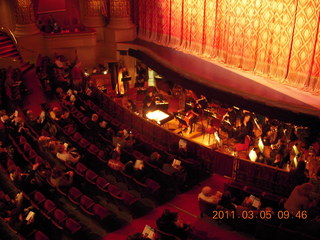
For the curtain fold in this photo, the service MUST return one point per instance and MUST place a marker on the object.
(279, 39)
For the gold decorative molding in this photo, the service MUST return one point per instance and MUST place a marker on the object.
(24, 12)
(119, 8)
(95, 8)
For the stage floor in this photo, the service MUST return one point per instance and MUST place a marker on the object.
(238, 82)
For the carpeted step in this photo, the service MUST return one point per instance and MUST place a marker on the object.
(7, 47)
(4, 37)
(10, 54)
(6, 42)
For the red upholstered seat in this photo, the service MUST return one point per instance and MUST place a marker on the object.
(26, 147)
(49, 206)
(100, 211)
(113, 189)
(93, 149)
(80, 169)
(102, 184)
(72, 226)
(128, 198)
(40, 236)
(74, 195)
(91, 176)
(59, 216)
(76, 137)
(86, 204)
(84, 143)
(39, 198)
(22, 140)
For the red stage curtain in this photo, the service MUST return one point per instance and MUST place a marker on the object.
(279, 39)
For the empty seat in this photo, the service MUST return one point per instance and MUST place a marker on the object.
(72, 226)
(59, 216)
(93, 149)
(114, 190)
(74, 195)
(86, 204)
(80, 169)
(49, 206)
(39, 198)
(100, 211)
(26, 147)
(84, 143)
(91, 176)
(22, 140)
(76, 137)
(102, 184)
(38, 235)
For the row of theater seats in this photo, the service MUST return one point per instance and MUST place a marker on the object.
(100, 212)
(144, 146)
(6, 230)
(148, 189)
(45, 206)
(49, 210)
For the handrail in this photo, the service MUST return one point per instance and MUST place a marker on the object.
(10, 33)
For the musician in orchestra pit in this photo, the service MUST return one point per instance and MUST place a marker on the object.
(243, 128)
(125, 73)
(229, 121)
(191, 116)
(149, 103)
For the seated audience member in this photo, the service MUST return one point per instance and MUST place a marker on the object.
(66, 155)
(116, 164)
(155, 159)
(132, 107)
(64, 119)
(128, 169)
(59, 178)
(55, 113)
(226, 202)
(171, 222)
(138, 171)
(298, 176)
(129, 140)
(116, 153)
(119, 139)
(138, 236)
(60, 94)
(94, 121)
(175, 170)
(315, 181)
(182, 148)
(300, 199)
(207, 196)
(247, 205)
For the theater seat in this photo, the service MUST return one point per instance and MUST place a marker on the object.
(72, 226)
(101, 212)
(86, 204)
(38, 235)
(74, 195)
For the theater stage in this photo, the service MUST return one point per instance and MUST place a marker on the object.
(229, 85)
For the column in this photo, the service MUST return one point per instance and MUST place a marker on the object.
(25, 19)
(94, 13)
(120, 21)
